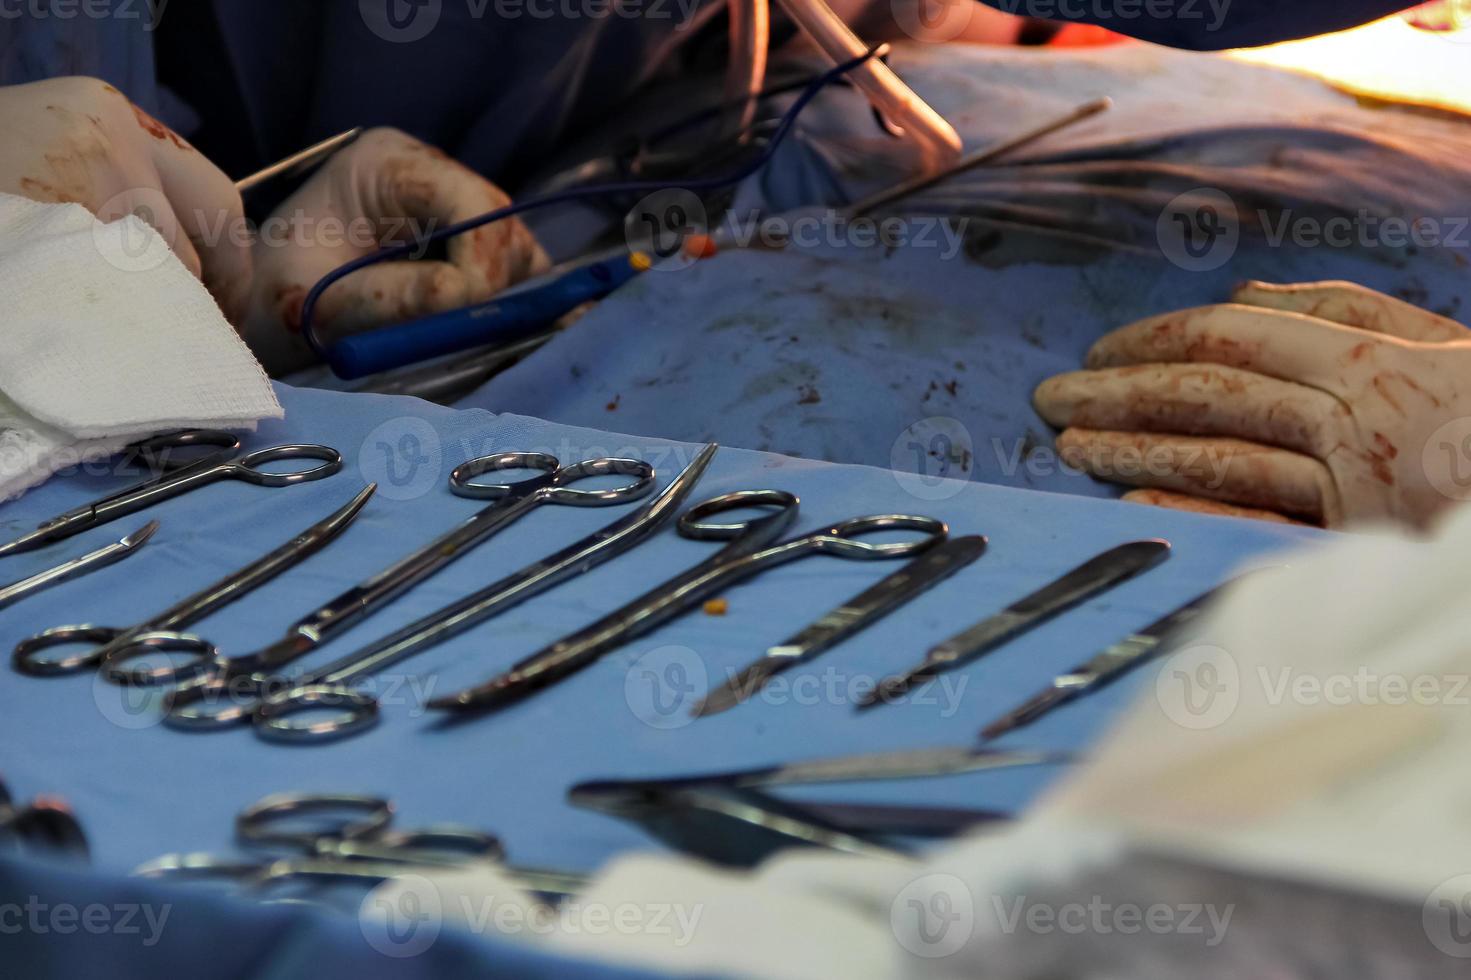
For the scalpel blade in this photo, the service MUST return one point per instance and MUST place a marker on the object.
(1130, 652)
(1104, 572)
(863, 610)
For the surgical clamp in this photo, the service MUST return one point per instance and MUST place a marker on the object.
(101, 558)
(923, 573)
(750, 550)
(195, 607)
(327, 687)
(178, 481)
(511, 502)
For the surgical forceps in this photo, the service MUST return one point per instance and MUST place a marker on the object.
(511, 501)
(327, 687)
(101, 558)
(45, 823)
(750, 550)
(344, 837)
(195, 607)
(178, 480)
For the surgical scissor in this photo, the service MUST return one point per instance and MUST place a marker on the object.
(27, 657)
(176, 480)
(750, 550)
(68, 570)
(511, 501)
(345, 838)
(269, 701)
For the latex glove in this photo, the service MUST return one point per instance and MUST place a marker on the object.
(386, 188)
(80, 141)
(1324, 401)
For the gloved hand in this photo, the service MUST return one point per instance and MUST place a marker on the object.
(79, 140)
(1326, 401)
(387, 188)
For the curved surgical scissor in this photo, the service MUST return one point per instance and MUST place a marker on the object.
(28, 659)
(271, 702)
(200, 705)
(749, 552)
(176, 479)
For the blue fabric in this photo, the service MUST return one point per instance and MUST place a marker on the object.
(52, 38)
(154, 930)
(496, 90)
(142, 789)
(845, 350)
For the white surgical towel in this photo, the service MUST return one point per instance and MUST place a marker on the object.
(106, 338)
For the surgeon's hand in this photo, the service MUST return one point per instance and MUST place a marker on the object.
(80, 141)
(1324, 402)
(385, 189)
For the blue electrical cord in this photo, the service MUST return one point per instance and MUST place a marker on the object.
(788, 119)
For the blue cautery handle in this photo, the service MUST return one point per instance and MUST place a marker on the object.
(503, 320)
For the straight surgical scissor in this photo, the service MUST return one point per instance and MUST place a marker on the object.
(552, 484)
(28, 659)
(347, 839)
(180, 479)
(750, 550)
(270, 701)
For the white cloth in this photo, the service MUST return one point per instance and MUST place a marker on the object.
(106, 339)
(1289, 798)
